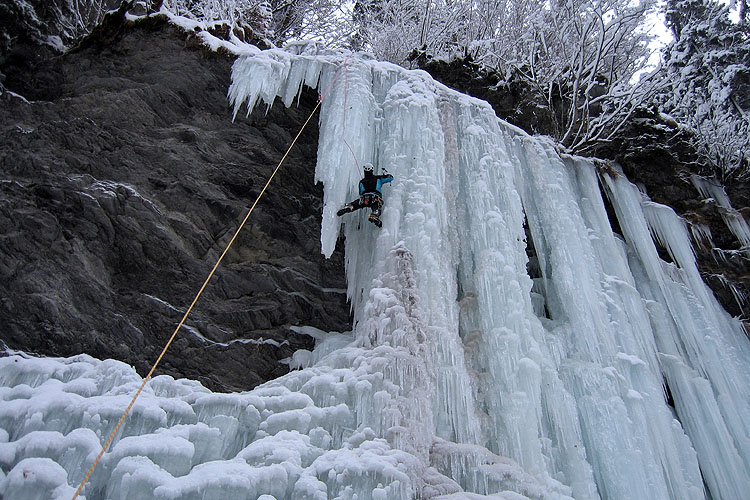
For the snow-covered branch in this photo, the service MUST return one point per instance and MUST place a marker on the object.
(708, 74)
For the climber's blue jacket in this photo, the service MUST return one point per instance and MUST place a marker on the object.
(371, 183)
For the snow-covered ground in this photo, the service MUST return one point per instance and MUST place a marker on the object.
(475, 369)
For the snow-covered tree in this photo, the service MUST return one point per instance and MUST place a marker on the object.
(708, 70)
(253, 14)
(85, 14)
(392, 29)
(584, 57)
(278, 21)
(325, 21)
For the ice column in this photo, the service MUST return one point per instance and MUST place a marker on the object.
(498, 324)
(607, 357)
(703, 351)
(388, 117)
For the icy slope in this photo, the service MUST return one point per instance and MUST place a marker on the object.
(507, 342)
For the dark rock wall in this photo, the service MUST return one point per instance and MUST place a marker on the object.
(33, 30)
(122, 180)
(28, 28)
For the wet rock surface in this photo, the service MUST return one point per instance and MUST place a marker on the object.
(123, 178)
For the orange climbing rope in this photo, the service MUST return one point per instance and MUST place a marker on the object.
(203, 287)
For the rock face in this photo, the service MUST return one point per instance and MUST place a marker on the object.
(34, 30)
(123, 179)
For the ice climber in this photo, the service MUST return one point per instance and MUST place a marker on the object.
(369, 194)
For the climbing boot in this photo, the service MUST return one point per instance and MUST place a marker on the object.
(375, 220)
(345, 210)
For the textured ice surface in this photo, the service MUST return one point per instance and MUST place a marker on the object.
(507, 343)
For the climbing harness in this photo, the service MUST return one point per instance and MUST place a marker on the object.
(371, 198)
(203, 287)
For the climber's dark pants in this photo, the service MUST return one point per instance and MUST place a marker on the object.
(373, 201)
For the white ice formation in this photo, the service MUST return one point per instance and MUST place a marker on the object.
(734, 220)
(508, 344)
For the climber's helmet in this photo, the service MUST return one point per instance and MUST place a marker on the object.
(368, 168)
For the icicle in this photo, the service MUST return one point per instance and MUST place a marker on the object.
(702, 348)
(732, 218)
(702, 234)
(668, 229)
(739, 295)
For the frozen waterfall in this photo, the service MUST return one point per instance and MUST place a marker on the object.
(507, 343)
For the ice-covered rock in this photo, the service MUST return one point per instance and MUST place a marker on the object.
(507, 342)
